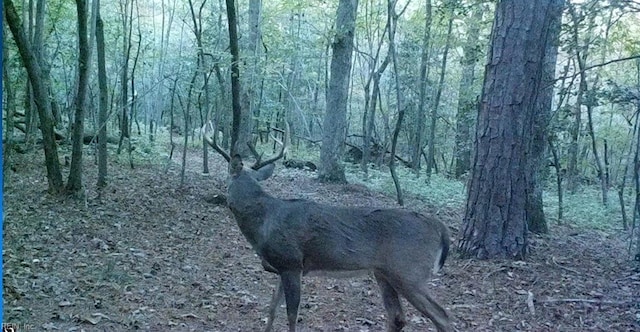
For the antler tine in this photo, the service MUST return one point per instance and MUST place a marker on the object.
(254, 152)
(276, 139)
(260, 164)
(213, 143)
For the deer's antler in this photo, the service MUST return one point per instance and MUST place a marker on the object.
(212, 142)
(259, 164)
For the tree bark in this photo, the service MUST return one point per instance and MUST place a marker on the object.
(537, 222)
(392, 22)
(103, 112)
(127, 23)
(74, 182)
(54, 176)
(495, 221)
(334, 128)
(235, 75)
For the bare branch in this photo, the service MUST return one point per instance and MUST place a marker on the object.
(633, 57)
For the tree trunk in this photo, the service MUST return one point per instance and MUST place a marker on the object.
(334, 128)
(371, 118)
(467, 97)
(431, 152)
(422, 112)
(581, 58)
(74, 182)
(133, 103)
(368, 117)
(392, 21)
(250, 78)
(537, 222)
(10, 108)
(495, 221)
(54, 176)
(103, 113)
(127, 26)
(235, 75)
(556, 163)
(200, 67)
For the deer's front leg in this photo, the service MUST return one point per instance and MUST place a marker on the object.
(291, 281)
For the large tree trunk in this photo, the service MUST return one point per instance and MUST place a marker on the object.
(495, 221)
(54, 176)
(335, 120)
(74, 182)
(103, 112)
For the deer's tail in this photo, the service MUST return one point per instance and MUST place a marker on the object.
(443, 250)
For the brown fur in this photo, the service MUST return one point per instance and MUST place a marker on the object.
(294, 237)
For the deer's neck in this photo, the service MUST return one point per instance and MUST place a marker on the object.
(250, 206)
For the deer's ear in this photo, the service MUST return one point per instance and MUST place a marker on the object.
(235, 165)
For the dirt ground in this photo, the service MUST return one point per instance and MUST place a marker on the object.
(147, 254)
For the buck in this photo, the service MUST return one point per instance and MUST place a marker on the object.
(294, 237)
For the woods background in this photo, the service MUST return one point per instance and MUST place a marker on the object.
(139, 78)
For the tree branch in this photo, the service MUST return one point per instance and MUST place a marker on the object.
(633, 57)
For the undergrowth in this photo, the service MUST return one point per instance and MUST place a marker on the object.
(583, 209)
(440, 191)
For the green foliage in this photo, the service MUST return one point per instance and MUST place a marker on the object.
(442, 192)
(146, 152)
(584, 209)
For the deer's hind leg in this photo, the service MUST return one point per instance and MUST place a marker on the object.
(276, 301)
(291, 283)
(416, 293)
(391, 300)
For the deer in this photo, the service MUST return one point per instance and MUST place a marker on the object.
(296, 237)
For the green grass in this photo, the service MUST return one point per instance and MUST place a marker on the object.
(584, 209)
(441, 192)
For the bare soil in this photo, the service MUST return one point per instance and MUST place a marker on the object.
(148, 254)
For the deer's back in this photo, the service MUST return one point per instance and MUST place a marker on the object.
(322, 237)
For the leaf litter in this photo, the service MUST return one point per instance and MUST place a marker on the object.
(145, 254)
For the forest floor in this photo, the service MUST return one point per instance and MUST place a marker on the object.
(148, 254)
